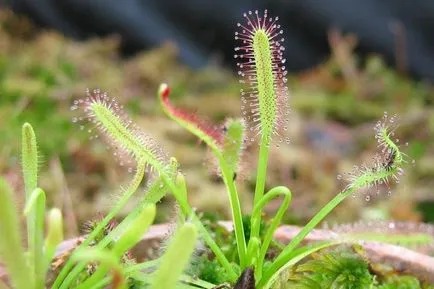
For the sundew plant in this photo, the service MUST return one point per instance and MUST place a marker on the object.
(102, 258)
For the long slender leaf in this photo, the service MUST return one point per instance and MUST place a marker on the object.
(11, 251)
(35, 213)
(176, 257)
(29, 154)
(130, 238)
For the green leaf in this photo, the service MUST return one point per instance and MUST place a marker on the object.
(262, 50)
(128, 239)
(11, 251)
(206, 132)
(111, 121)
(35, 212)
(135, 231)
(176, 257)
(35, 198)
(213, 137)
(54, 235)
(29, 159)
(65, 277)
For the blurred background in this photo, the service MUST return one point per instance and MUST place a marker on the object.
(349, 61)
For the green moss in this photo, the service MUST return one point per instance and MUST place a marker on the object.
(336, 269)
(401, 282)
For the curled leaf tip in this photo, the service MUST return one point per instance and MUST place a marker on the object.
(164, 90)
(386, 164)
(207, 132)
(55, 228)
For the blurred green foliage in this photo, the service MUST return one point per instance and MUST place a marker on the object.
(42, 72)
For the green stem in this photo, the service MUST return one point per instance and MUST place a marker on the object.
(188, 211)
(151, 197)
(227, 174)
(64, 279)
(236, 210)
(296, 256)
(285, 255)
(130, 238)
(260, 186)
(273, 193)
(131, 271)
(167, 275)
(107, 261)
